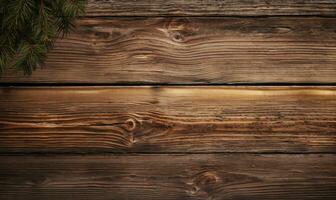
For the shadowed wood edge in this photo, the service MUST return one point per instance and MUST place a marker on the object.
(210, 8)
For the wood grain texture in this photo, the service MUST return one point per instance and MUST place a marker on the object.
(210, 7)
(192, 50)
(168, 119)
(169, 177)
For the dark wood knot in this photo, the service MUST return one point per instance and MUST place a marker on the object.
(130, 124)
(202, 184)
(177, 36)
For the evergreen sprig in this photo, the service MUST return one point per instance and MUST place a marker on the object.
(29, 28)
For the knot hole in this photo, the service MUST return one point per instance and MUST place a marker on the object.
(130, 124)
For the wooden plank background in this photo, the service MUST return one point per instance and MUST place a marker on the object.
(146, 100)
(151, 177)
(192, 51)
(168, 119)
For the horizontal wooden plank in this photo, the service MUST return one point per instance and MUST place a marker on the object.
(192, 50)
(169, 177)
(168, 119)
(210, 7)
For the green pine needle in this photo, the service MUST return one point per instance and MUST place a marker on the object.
(29, 27)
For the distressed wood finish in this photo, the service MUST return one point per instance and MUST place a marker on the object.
(192, 50)
(168, 119)
(164, 142)
(211, 7)
(169, 177)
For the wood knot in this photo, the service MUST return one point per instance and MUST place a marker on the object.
(177, 37)
(204, 183)
(178, 28)
(206, 178)
(130, 124)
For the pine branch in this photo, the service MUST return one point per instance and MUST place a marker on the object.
(30, 27)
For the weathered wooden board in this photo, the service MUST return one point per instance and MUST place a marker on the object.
(192, 50)
(168, 177)
(210, 7)
(168, 119)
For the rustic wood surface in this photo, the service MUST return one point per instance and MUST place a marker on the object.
(192, 50)
(210, 7)
(100, 141)
(168, 177)
(168, 119)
